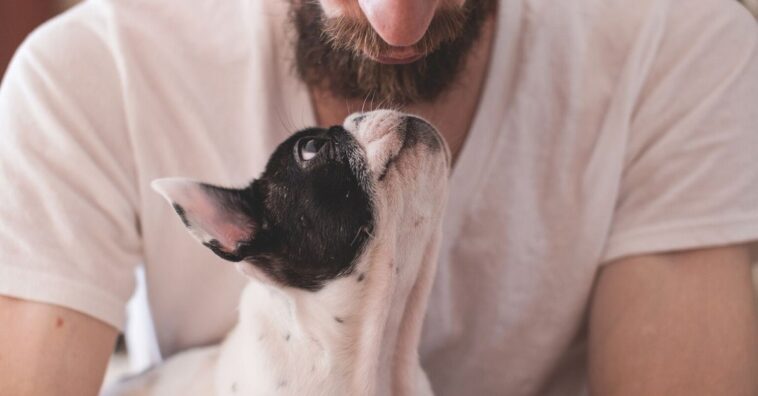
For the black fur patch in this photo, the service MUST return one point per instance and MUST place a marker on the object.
(182, 214)
(312, 219)
(214, 246)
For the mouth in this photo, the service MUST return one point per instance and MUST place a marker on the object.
(393, 158)
(398, 56)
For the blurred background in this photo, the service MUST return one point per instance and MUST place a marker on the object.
(19, 17)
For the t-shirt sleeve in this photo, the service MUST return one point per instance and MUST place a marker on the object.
(691, 168)
(68, 225)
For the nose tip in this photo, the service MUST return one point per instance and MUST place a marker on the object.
(418, 123)
(400, 23)
(356, 119)
(421, 131)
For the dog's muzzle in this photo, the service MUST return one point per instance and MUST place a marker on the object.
(386, 134)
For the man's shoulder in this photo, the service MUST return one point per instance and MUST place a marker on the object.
(158, 29)
(632, 20)
(79, 33)
(641, 40)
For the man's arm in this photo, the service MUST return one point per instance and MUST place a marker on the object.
(675, 324)
(50, 350)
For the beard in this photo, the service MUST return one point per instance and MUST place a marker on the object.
(335, 54)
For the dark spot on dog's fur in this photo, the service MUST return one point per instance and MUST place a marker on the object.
(339, 320)
(361, 277)
(216, 247)
(281, 384)
(182, 214)
(58, 322)
(287, 337)
(420, 131)
(357, 120)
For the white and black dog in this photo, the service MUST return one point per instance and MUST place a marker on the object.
(339, 237)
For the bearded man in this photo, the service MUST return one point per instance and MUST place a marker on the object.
(604, 194)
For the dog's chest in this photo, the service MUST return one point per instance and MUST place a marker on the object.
(282, 348)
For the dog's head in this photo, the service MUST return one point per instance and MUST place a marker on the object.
(323, 193)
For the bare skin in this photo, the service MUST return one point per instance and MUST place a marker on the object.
(675, 324)
(50, 350)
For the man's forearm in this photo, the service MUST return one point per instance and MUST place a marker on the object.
(675, 324)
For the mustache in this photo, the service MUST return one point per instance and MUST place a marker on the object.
(337, 61)
(355, 34)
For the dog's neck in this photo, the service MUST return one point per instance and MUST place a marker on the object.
(366, 324)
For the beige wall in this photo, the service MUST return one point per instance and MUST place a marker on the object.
(63, 4)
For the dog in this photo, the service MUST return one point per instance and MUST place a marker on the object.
(339, 237)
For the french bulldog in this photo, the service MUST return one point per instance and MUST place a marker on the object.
(339, 238)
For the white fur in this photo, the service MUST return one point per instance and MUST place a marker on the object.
(350, 337)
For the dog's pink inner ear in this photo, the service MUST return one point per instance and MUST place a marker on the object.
(207, 213)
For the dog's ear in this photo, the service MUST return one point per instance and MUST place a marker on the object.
(220, 218)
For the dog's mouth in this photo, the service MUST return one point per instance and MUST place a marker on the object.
(387, 166)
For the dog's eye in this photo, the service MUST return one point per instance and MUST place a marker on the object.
(309, 148)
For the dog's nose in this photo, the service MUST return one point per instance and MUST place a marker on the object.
(374, 125)
(355, 119)
(420, 126)
(420, 131)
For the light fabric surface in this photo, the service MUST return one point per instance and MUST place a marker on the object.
(606, 129)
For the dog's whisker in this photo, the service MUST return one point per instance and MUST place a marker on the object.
(373, 97)
(357, 234)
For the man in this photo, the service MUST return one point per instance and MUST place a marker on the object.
(604, 192)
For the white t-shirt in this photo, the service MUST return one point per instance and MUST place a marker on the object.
(606, 129)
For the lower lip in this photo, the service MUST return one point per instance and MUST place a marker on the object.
(398, 61)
